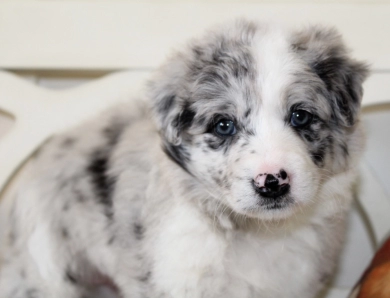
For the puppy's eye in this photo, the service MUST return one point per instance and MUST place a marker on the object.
(300, 118)
(225, 128)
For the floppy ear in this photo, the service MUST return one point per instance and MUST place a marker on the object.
(165, 90)
(168, 92)
(324, 51)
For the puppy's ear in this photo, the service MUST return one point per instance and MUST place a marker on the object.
(167, 91)
(324, 51)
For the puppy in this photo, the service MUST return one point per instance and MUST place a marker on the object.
(230, 178)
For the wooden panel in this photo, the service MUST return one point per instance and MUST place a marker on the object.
(116, 35)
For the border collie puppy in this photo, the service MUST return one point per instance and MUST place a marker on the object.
(230, 178)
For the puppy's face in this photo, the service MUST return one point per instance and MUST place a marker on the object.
(259, 116)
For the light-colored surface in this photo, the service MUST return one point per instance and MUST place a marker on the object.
(357, 252)
(122, 34)
(6, 123)
(375, 201)
(377, 124)
(338, 293)
(41, 112)
(375, 172)
(377, 88)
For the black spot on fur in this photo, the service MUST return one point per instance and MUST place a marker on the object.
(103, 183)
(327, 68)
(217, 180)
(214, 142)
(64, 233)
(32, 293)
(198, 51)
(224, 107)
(79, 196)
(68, 142)
(308, 137)
(114, 131)
(146, 277)
(186, 118)
(65, 207)
(166, 104)
(179, 154)
(111, 240)
(344, 148)
(318, 156)
(227, 59)
(138, 230)
(249, 131)
(214, 76)
(69, 277)
(325, 278)
(317, 138)
(99, 165)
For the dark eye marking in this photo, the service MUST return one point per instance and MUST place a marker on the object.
(225, 128)
(300, 118)
(186, 117)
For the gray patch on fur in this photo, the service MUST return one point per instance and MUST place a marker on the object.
(217, 65)
(331, 89)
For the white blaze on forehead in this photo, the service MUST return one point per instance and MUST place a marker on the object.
(276, 65)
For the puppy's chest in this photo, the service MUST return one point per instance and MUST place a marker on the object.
(235, 265)
(265, 262)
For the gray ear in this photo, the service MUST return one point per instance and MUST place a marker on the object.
(324, 51)
(168, 91)
(164, 91)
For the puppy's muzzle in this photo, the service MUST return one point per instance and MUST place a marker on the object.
(272, 185)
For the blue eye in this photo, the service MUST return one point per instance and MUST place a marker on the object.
(225, 128)
(300, 118)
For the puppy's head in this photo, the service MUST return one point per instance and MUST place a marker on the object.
(261, 116)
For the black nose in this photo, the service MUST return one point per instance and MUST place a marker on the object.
(272, 188)
(271, 182)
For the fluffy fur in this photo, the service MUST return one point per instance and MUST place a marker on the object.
(170, 208)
